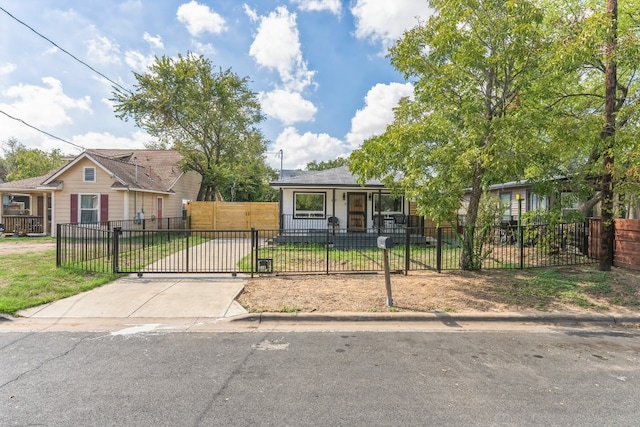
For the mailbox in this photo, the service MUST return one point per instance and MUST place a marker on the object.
(385, 242)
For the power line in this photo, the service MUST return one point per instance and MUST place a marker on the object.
(65, 51)
(41, 131)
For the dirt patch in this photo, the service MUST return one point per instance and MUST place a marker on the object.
(16, 245)
(556, 290)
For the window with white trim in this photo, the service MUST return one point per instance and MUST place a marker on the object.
(387, 204)
(505, 205)
(89, 208)
(309, 205)
(89, 174)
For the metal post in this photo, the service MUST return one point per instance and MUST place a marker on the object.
(439, 249)
(387, 277)
(116, 245)
(58, 245)
(254, 256)
(327, 250)
(407, 250)
(520, 237)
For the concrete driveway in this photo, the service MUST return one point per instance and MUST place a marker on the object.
(151, 296)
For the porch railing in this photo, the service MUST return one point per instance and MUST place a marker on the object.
(18, 224)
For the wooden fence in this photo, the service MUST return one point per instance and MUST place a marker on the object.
(233, 215)
(626, 246)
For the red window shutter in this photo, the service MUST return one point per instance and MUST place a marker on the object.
(74, 209)
(104, 208)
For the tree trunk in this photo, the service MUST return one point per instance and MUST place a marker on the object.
(467, 261)
(608, 136)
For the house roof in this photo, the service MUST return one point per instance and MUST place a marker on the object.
(155, 171)
(336, 177)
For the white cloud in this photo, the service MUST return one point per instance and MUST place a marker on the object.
(137, 61)
(106, 139)
(385, 21)
(377, 113)
(251, 13)
(333, 6)
(7, 68)
(277, 46)
(155, 42)
(198, 18)
(288, 107)
(203, 48)
(299, 149)
(43, 106)
(103, 51)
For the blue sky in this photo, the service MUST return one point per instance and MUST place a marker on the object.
(319, 66)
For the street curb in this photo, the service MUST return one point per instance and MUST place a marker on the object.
(437, 317)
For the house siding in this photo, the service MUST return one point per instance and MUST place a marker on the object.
(74, 184)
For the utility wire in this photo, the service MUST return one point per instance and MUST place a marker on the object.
(41, 131)
(68, 53)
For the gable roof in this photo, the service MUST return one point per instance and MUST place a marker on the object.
(336, 177)
(143, 170)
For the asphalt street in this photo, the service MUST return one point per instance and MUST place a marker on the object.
(144, 376)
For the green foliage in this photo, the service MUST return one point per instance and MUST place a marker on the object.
(209, 116)
(327, 164)
(21, 162)
(475, 116)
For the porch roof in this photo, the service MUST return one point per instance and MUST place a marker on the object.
(336, 177)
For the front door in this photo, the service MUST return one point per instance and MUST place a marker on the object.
(356, 211)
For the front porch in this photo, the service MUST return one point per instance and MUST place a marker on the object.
(23, 224)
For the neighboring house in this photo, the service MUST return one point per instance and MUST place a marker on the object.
(333, 199)
(518, 197)
(98, 186)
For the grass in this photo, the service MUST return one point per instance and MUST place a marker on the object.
(31, 279)
(585, 287)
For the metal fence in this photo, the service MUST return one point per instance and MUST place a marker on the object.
(126, 250)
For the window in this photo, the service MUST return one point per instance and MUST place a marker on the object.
(387, 204)
(309, 205)
(89, 174)
(505, 204)
(537, 202)
(88, 208)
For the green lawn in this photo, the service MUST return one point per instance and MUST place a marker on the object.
(30, 279)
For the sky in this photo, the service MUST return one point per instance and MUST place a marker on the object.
(319, 67)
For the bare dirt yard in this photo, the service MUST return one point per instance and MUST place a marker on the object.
(569, 289)
(12, 245)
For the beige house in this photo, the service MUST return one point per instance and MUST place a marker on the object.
(99, 186)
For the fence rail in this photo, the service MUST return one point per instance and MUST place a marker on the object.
(126, 250)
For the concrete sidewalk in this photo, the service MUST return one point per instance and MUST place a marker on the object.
(151, 296)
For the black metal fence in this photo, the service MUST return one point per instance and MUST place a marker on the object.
(127, 250)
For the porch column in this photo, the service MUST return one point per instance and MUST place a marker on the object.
(45, 213)
(53, 214)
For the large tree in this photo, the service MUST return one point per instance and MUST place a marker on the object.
(210, 116)
(598, 108)
(474, 120)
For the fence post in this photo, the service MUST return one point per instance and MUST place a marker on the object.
(521, 240)
(254, 256)
(407, 250)
(327, 250)
(58, 245)
(116, 245)
(439, 249)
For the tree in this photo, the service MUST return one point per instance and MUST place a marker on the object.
(327, 164)
(21, 162)
(599, 56)
(474, 120)
(209, 116)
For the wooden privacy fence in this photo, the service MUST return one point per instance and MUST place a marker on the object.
(626, 252)
(233, 215)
